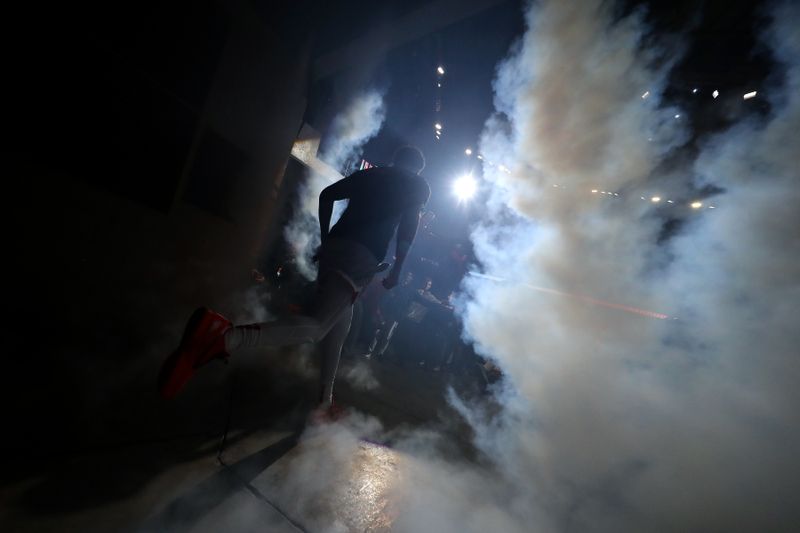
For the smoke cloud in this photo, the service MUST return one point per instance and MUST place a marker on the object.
(613, 420)
(360, 376)
(361, 120)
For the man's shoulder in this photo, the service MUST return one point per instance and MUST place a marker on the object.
(408, 182)
(423, 190)
(418, 185)
(377, 174)
(420, 181)
(361, 173)
(412, 180)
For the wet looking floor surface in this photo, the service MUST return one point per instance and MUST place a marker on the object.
(254, 460)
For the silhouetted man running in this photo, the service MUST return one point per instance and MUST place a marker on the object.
(382, 200)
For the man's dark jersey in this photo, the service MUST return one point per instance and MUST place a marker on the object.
(379, 198)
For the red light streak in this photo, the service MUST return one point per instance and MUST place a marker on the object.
(586, 299)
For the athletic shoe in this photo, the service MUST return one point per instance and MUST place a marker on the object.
(203, 340)
(327, 415)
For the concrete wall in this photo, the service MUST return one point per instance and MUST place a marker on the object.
(144, 188)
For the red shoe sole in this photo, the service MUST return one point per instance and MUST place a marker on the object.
(178, 369)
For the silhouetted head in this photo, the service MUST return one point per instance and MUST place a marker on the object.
(409, 158)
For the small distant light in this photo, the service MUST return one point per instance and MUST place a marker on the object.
(642, 197)
(554, 185)
(468, 151)
(438, 84)
(480, 157)
(711, 207)
(678, 115)
(650, 139)
(602, 192)
(670, 202)
(440, 70)
(646, 94)
(655, 199)
(437, 126)
(696, 205)
(694, 91)
(715, 93)
(594, 190)
(616, 194)
(750, 95)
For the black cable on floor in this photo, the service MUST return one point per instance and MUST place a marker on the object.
(253, 490)
(224, 439)
(258, 494)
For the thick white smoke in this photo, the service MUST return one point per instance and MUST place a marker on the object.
(616, 421)
(351, 129)
(361, 120)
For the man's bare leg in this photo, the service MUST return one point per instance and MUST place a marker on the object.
(334, 296)
(330, 352)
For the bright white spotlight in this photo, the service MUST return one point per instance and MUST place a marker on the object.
(468, 151)
(694, 91)
(437, 126)
(750, 95)
(715, 93)
(696, 205)
(440, 70)
(645, 95)
(465, 187)
(655, 199)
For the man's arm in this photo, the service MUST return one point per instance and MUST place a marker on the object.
(406, 231)
(340, 190)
